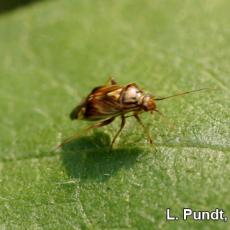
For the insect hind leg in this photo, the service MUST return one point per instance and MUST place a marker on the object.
(75, 136)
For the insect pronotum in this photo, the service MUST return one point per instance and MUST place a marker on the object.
(112, 100)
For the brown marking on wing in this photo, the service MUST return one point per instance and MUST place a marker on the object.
(104, 89)
(103, 102)
(93, 103)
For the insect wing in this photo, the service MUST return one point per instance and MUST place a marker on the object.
(103, 102)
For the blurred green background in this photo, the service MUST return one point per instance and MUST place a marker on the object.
(52, 53)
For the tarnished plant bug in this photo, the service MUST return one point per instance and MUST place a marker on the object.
(112, 100)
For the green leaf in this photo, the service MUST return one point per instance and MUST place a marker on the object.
(53, 53)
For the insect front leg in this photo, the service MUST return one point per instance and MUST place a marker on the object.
(118, 132)
(165, 120)
(145, 129)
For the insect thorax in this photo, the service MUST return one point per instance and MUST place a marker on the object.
(132, 95)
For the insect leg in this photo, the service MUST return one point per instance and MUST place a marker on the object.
(75, 136)
(111, 81)
(118, 132)
(164, 119)
(145, 129)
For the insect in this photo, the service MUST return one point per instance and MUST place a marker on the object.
(112, 100)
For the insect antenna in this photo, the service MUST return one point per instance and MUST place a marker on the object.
(179, 94)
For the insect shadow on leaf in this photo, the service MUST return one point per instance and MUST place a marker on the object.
(87, 158)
